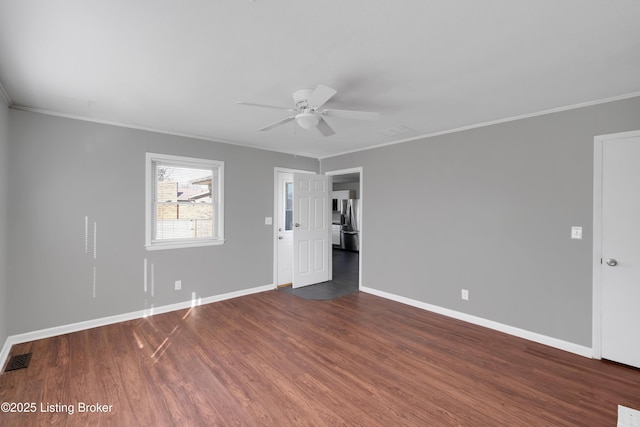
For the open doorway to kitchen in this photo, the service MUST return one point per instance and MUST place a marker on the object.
(346, 223)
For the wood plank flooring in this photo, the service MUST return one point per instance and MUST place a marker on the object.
(273, 359)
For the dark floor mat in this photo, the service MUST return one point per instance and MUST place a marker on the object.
(323, 291)
(345, 279)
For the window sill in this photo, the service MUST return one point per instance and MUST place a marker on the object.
(158, 246)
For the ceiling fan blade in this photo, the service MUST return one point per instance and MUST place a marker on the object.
(351, 114)
(324, 128)
(321, 95)
(278, 123)
(276, 107)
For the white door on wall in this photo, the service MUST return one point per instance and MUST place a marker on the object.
(620, 270)
(311, 229)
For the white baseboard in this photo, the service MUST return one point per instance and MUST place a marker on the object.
(528, 335)
(89, 324)
(74, 327)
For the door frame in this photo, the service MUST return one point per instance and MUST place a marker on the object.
(598, 146)
(276, 171)
(359, 171)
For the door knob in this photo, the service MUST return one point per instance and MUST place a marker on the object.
(611, 262)
(280, 237)
(297, 225)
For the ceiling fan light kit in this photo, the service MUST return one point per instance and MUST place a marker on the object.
(307, 120)
(308, 102)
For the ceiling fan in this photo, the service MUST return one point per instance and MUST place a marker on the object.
(308, 114)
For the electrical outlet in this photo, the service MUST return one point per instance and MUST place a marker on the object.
(178, 285)
(464, 294)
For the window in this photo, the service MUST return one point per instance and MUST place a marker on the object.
(288, 206)
(184, 202)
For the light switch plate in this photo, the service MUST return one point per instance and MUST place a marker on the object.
(268, 220)
(576, 232)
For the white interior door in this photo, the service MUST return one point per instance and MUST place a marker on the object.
(311, 231)
(284, 224)
(620, 273)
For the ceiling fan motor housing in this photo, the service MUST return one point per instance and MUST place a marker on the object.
(301, 98)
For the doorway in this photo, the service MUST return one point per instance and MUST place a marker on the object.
(301, 228)
(284, 229)
(347, 227)
(345, 265)
(616, 248)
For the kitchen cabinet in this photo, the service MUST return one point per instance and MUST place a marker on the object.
(343, 194)
(335, 234)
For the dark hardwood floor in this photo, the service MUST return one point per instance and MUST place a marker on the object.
(273, 359)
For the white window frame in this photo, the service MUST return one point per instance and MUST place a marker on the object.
(217, 168)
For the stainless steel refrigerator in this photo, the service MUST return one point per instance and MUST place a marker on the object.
(350, 220)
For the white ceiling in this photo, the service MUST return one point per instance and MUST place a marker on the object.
(179, 66)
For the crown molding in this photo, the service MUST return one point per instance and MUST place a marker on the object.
(5, 96)
(493, 122)
(154, 129)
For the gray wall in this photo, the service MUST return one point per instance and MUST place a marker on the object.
(4, 175)
(64, 170)
(490, 210)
